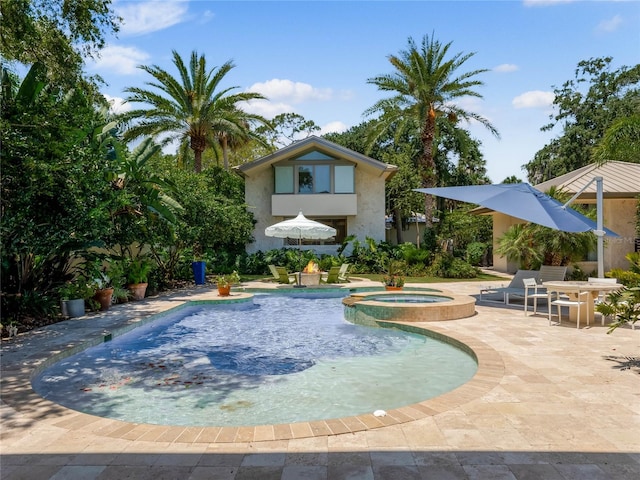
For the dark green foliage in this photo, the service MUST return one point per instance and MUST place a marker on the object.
(459, 228)
(446, 265)
(55, 199)
(477, 253)
(58, 33)
(586, 107)
(28, 308)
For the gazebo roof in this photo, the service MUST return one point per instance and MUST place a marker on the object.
(619, 180)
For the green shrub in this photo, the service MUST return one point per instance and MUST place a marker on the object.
(475, 252)
(446, 265)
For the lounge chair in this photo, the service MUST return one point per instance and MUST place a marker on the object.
(281, 275)
(331, 276)
(551, 273)
(345, 271)
(515, 287)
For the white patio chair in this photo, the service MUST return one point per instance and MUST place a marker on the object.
(602, 297)
(581, 299)
(538, 292)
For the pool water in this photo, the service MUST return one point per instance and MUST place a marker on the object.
(280, 359)
(407, 298)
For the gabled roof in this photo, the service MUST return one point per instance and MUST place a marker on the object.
(310, 144)
(619, 180)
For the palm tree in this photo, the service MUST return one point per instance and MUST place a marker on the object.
(426, 85)
(234, 129)
(188, 108)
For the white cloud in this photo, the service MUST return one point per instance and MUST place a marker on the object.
(121, 60)
(206, 17)
(533, 99)
(117, 104)
(294, 92)
(266, 108)
(505, 68)
(544, 3)
(610, 25)
(150, 16)
(333, 127)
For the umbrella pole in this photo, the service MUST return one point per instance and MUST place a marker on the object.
(299, 283)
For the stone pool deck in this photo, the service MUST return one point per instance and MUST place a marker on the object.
(548, 402)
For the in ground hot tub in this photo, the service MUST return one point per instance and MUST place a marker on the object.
(408, 306)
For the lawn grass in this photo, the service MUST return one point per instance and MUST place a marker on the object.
(376, 277)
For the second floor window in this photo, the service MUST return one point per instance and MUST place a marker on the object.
(314, 179)
(323, 178)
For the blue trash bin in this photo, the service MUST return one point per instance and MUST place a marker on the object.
(199, 272)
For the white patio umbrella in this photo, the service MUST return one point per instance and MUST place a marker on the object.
(300, 228)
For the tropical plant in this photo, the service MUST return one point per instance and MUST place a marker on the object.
(190, 108)
(228, 279)
(80, 287)
(621, 141)
(426, 83)
(235, 130)
(105, 272)
(394, 275)
(50, 138)
(623, 305)
(137, 270)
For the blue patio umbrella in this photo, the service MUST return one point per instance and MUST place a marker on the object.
(520, 200)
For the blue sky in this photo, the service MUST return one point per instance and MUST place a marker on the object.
(314, 57)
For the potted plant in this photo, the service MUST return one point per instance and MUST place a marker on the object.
(73, 295)
(393, 279)
(225, 281)
(106, 276)
(393, 282)
(137, 277)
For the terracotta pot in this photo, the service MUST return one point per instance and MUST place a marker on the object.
(224, 291)
(392, 289)
(137, 290)
(104, 297)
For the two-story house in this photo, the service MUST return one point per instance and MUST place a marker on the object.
(326, 182)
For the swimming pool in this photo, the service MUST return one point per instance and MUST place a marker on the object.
(408, 298)
(278, 359)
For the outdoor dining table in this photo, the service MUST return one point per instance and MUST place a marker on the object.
(573, 288)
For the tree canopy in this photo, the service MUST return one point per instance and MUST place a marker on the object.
(58, 34)
(191, 107)
(426, 84)
(595, 107)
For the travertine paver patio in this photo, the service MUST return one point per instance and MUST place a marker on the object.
(548, 402)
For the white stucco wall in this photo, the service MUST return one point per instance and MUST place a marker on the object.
(369, 222)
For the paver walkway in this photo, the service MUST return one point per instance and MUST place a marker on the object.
(548, 402)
